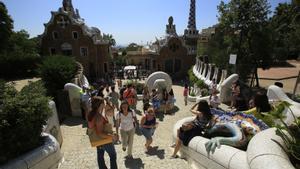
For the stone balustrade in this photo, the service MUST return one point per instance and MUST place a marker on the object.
(208, 72)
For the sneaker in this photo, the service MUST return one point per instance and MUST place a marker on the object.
(174, 156)
(173, 145)
(124, 148)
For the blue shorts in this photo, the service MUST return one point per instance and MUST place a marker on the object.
(156, 104)
(148, 132)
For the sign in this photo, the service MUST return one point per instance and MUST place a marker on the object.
(232, 59)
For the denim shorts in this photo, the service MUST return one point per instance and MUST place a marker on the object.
(148, 132)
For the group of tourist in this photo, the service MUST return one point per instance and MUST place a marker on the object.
(205, 119)
(103, 108)
(101, 118)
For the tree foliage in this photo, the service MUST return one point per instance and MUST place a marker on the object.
(110, 38)
(243, 29)
(6, 26)
(286, 25)
(21, 57)
(18, 53)
(56, 71)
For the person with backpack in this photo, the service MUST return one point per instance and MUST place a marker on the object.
(126, 121)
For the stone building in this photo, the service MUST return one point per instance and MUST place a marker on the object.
(173, 54)
(67, 34)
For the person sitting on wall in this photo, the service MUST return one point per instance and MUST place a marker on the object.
(198, 127)
(261, 103)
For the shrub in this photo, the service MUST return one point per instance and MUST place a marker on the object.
(192, 94)
(204, 92)
(22, 116)
(193, 79)
(201, 84)
(56, 71)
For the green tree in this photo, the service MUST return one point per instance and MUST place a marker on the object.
(20, 58)
(110, 38)
(56, 71)
(133, 47)
(6, 26)
(245, 26)
(286, 24)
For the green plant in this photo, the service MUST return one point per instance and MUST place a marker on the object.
(56, 71)
(139, 88)
(193, 79)
(192, 94)
(201, 84)
(204, 92)
(290, 134)
(22, 116)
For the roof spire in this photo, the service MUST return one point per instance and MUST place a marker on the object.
(68, 6)
(192, 16)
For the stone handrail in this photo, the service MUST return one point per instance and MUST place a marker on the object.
(47, 156)
(262, 152)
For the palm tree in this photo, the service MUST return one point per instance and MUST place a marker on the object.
(110, 39)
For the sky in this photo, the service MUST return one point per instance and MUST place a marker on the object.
(138, 21)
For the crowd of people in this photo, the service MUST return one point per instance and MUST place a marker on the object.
(104, 109)
(114, 123)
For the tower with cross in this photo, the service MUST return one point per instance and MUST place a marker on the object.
(191, 33)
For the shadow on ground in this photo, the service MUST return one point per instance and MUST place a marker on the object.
(74, 121)
(174, 110)
(135, 163)
(160, 114)
(160, 153)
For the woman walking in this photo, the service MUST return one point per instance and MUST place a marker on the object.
(148, 126)
(126, 120)
(98, 123)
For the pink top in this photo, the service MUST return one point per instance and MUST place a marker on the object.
(185, 91)
(95, 122)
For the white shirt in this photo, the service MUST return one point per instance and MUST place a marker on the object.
(126, 121)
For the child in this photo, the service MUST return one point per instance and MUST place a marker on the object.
(148, 126)
(155, 100)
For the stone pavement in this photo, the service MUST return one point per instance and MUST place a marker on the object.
(266, 76)
(78, 154)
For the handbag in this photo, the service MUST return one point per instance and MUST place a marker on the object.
(97, 140)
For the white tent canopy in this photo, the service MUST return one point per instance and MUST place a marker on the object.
(130, 67)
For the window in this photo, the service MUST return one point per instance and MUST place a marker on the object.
(154, 64)
(75, 35)
(54, 35)
(83, 51)
(105, 68)
(169, 66)
(52, 51)
(177, 65)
